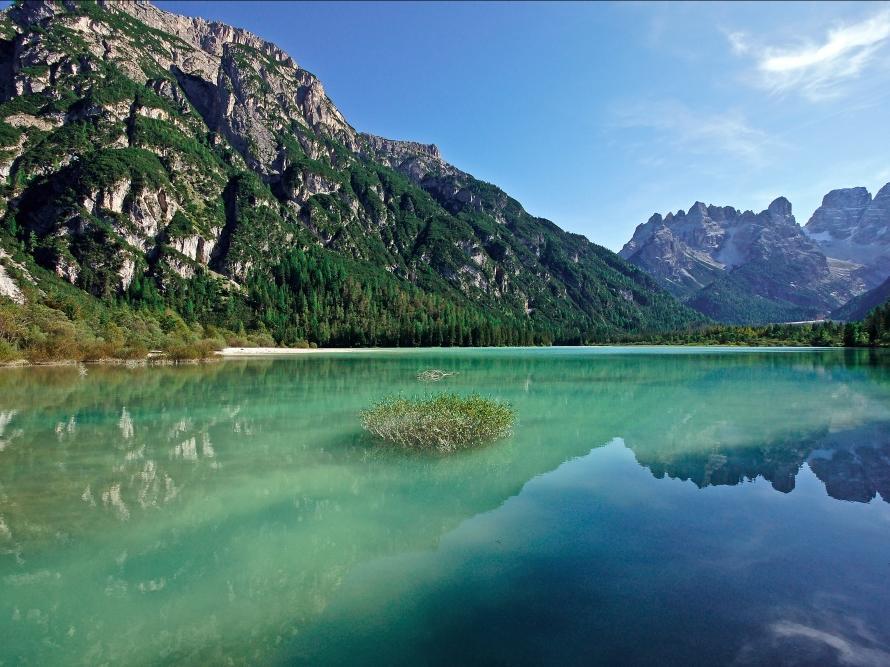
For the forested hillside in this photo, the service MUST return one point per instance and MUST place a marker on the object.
(171, 168)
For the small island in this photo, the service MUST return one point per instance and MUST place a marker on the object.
(443, 422)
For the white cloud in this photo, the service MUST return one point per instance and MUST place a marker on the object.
(678, 128)
(820, 69)
(738, 41)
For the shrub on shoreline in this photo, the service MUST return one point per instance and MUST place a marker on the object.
(190, 351)
(443, 423)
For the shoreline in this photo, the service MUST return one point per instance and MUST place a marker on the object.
(234, 352)
(156, 359)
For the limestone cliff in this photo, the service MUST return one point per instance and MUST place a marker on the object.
(147, 154)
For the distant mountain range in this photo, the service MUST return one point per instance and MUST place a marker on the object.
(742, 267)
(161, 160)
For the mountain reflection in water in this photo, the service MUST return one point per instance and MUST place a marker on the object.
(208, 513)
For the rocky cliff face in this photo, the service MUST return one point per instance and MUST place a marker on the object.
(854, 230)
(746, 267)
(861, 305)
(689, 250)
(141, 148)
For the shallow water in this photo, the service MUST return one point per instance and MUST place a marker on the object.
(693, 506)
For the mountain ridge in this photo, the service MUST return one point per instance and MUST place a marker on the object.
(741, 267)
(167, 161)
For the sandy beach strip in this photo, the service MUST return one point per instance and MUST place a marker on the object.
(274, 351)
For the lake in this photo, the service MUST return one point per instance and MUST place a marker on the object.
(653, 506)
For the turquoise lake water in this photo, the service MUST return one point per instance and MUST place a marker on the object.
(653, 506)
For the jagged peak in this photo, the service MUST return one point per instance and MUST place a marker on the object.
(780, 206)
(209, 36)
(884, 192)
(699, 209)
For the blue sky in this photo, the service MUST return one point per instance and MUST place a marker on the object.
(598, 115)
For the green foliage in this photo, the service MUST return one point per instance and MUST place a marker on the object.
(245, 54)
(99, 253)
(737, 298)
(9, 135)
(107, 167)
(373, 259)
(151, 132)
(7, 29)
(63, 326)
(34, 70)
(27, 104)
(443, 423)
(180, 226)
(322, 297)
(60, 322)
(49, 150)
(874, 330)
(112, 86)
(876, 326)
(190, 351)
(44, 332)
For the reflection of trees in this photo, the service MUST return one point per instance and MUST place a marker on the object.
(186, 509)
(220, 502)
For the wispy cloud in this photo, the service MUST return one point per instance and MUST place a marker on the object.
(678, 128)
(738, 41)
(819, 69)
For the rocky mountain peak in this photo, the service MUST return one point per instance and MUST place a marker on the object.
(839, 213)
(730, 264)
(848, 198)
(878, 211)
(698, 210)
(705, 255)
(852, 227)
(209, 36)
(884, 192)
(780, 208)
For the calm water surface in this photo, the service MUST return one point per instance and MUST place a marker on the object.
(654, 506)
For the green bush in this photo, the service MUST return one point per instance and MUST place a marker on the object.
(9, 352)
(444, 423)
(193, 350)
(65, 328)
(9, 135)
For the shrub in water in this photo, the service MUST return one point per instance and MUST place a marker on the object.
(445, 422)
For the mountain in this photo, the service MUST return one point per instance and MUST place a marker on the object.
(742, 267)
(854, 229)
(164, 161)
(860, 306)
